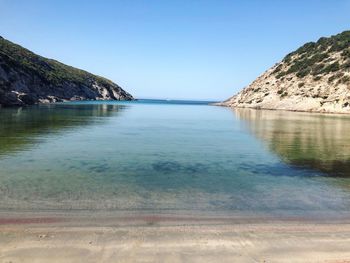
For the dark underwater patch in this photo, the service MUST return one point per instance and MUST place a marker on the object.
(168, 167)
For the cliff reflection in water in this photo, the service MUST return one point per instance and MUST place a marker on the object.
(20, 128)
(317, 141)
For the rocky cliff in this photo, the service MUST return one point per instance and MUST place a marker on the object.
(27, 78)
(315, 78)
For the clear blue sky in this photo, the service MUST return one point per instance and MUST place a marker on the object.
(185, 49)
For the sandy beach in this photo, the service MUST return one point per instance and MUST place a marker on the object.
(150, 238)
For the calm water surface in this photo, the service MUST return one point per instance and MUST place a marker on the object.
(158, 156)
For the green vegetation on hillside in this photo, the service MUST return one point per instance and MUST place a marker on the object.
(319, 58)
(49, 70)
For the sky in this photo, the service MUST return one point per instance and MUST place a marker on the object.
(179, 49)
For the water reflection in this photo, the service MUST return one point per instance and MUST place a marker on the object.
(316, 141)
(20, 128)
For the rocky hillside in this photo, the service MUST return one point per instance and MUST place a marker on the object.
(26, 78)
(315, 77)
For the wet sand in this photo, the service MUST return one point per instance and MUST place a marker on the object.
(169, 238)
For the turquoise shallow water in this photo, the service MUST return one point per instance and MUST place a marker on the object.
(161, 156)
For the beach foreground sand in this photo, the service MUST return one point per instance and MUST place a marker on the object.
(171, 239)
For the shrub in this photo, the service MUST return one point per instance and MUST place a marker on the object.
(317, 78)
(331, 78)
(317, 69)
(278, 69)
(331, 68)
(303, 72)
(346, 65)
(345, 79)
(284, 94)
(346, 53)
(281, 74)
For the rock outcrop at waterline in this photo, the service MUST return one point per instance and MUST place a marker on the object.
(315, 78)
(27, 78)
